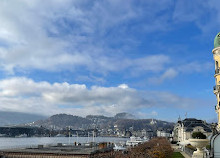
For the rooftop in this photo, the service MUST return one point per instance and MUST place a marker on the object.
(217, 40)
(190, 123)
(59, 149)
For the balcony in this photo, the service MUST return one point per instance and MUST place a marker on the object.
(216, 88)
(217, 71)
(216, 107)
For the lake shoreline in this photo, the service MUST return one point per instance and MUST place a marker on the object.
(9, 143)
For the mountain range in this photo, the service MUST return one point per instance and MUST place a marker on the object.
(120, 121)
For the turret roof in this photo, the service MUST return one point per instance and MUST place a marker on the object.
(217, 40)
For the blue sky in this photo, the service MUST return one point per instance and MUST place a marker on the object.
(149, 58)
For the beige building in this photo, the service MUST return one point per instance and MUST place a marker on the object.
(183, 129)
(216, 89)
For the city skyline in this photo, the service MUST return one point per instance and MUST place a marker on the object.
(146, 58)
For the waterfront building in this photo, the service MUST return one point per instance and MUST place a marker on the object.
(183, 129)
(150, 133)
(163, 133)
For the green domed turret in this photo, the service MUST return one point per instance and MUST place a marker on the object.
(217, 40)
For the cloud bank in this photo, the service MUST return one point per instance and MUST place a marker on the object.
(95, 36)
(26, 95)
(99, 42)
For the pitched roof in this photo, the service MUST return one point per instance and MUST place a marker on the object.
(190, 123)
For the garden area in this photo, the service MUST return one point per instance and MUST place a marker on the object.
(177, 155)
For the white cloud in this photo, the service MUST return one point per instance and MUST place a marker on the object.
(74, 34)
(187, 68)
(91, 36)
(123, 86)
(193, 67)
(203, 14)
(26, 95)
(151, 63)
(63, 36)
(152, 114)
(167, 75)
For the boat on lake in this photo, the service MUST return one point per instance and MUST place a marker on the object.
(119, 147)
(134, 141)
(21, 136)
(60, 135)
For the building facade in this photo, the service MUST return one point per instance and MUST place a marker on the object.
(183, 129)
(164, 133)
(216, 88)
(215, 139)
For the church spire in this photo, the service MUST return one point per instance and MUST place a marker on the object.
(179, 119)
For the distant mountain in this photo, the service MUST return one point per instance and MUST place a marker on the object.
(95, 117)
(124, 115)
(121, 121)
(63, 121)
(139, 124)
(14, 118)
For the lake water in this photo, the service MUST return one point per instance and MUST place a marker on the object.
(9, 143)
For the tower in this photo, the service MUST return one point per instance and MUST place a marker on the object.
(216, 88)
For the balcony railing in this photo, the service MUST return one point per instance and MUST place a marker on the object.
(214, 88)
(217, 71)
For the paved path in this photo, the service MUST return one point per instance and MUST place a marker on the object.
(176, 149)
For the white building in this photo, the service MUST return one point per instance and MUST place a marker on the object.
(153, 122)
(163, 133)
(183, 129)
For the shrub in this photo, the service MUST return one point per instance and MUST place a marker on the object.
(198, 135)
(190, 147)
